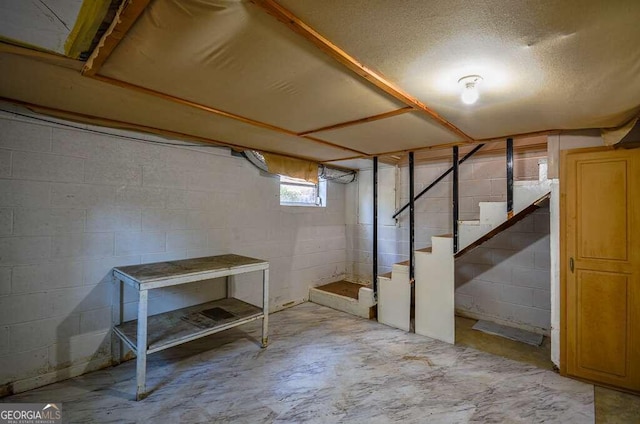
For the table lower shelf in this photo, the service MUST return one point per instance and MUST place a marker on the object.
(183, 325)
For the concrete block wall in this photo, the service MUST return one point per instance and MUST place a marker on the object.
(508, 279)
(74, 204)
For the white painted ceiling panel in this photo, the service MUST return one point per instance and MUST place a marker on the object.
(408, 131)
(42, 23)
(33, 81)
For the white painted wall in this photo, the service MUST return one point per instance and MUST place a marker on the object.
(507, 279)
(73, 204)
(557, 143)
(359, 217)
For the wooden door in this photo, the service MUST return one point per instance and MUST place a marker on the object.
(600, 266)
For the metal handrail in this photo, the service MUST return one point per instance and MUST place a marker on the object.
(437, 180)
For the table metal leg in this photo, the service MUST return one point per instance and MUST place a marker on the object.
(116, 319)
(141, 347)
(229, 284)
(265, 307)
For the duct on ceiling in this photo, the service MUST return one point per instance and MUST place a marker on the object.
(324, 172)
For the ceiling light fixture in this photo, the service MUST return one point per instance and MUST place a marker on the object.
(470, 90)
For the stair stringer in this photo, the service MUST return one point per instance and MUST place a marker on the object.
(394, 298)
(494, 214)
(435, 288)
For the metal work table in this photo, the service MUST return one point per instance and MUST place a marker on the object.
(149, 334)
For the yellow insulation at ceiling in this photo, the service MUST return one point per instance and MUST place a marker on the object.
(90, 17)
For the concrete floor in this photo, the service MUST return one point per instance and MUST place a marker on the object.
(611, 406)
(322, 366)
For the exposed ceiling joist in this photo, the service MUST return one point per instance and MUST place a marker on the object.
(215, 111)
(112, 123)
(297, 25)
(46, 56)
(359, 121)
(530, 144)
(126, 16)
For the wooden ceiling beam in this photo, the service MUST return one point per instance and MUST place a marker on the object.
(60, 60)
(128, 13)
(527, 142)
(215, 111)
(113, 123)
(7, 46)
(360, 121)
(293, 22)
(495, 148)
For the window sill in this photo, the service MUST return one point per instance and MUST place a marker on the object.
(305, 205)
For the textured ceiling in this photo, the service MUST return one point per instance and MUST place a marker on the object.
(546, 64)
(188, 65)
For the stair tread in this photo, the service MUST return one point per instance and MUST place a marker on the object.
(403, 263)
(385, 275)
(426, 249)
(343, 288)
(444, 235)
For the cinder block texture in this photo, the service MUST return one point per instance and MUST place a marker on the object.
(519, 272)
(74, 204)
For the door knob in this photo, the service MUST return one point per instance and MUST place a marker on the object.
(571, 264)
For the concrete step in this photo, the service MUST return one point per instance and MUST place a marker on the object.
(434, 288)
(345, 296)
(471, 222)
(400, 268)
(527, 192)
(470, 231)
(394, 297)
(493, 213)
(441, 243)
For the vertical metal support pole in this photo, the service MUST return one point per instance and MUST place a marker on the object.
(456, 208)
(375, 226)
(116, 319)
(265, 307)
(141, 346)
(228, 283)
(411, 217)
(509, 178)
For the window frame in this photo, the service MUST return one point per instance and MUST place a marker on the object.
(320, 191)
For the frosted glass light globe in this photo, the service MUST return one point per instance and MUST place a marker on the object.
(470, 95)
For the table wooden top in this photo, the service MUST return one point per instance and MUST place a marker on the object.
(171, 269)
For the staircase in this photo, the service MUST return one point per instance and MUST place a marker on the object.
(435, 266)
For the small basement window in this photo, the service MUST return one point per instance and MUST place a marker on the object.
(298, 192)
